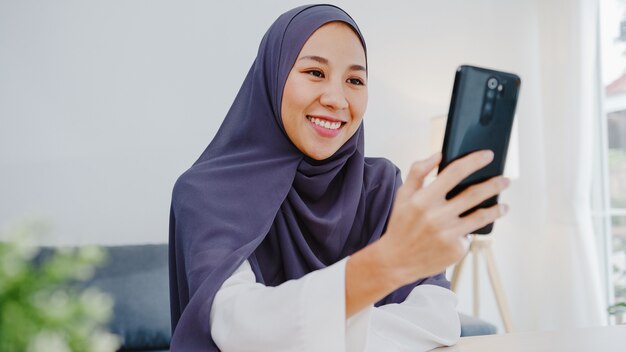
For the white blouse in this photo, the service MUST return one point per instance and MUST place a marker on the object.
(308, 314)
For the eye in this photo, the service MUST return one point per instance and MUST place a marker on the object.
(356, 81)
(316, 73)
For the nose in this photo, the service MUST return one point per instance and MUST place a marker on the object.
(334, 97)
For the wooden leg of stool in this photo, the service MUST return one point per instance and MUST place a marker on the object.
(476, 285)
(456, 274)
(497, 290)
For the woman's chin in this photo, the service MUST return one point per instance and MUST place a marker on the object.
(320, 153)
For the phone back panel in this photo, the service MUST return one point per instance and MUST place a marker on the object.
(480, 117)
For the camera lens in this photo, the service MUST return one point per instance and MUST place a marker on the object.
(491, 94)
(492, 83)
(488, 108)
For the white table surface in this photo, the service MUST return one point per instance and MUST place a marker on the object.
(597, 339)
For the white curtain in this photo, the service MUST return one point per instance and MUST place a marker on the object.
(567, 289)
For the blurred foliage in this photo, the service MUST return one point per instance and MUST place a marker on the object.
(619, 274)
(42, 304)
(618, 308)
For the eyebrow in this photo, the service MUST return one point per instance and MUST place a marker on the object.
(325, 62)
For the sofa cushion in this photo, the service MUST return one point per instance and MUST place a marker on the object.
(471, 326)
(137, 278)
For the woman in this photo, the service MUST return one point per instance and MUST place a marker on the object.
(276, 232)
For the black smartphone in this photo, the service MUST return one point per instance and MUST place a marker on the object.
(480, 117)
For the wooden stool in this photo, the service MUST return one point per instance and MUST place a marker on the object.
(481, 244)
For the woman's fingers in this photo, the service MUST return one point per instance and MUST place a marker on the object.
(415, 179)
(479, 219)
(476, 194)
(460, 169)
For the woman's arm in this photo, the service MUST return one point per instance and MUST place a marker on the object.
(307, 314)
(425, 233)
(425, 320)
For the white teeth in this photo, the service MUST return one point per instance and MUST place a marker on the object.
(325, 124)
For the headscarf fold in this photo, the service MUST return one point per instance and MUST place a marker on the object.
(252, 195)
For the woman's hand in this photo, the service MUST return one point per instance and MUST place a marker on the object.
(426, 234)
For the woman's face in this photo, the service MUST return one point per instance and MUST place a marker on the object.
(325, 95)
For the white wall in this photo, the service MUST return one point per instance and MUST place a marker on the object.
(103, 104)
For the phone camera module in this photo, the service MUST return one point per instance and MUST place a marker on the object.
(492, 83)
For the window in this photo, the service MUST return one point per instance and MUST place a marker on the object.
(610, 205)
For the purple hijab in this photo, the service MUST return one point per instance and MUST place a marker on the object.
(252, 195)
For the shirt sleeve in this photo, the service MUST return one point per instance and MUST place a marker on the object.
(307, 314)
(427, 319)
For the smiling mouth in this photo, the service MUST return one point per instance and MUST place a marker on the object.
(330, 125)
